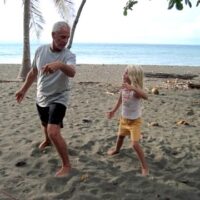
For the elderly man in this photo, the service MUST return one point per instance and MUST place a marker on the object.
(53, 65)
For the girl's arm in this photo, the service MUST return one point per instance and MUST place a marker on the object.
(140, 93)
(111, 113)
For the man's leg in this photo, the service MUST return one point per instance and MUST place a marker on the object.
(46, 142)
(43, 113)
(61, 147)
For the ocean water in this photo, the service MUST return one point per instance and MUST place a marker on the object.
(144, 54)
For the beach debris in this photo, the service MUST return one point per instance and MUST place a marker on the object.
(10, 81)
(196, 102)
(185, 181)
(28, 97)
(182, 122)
(111, 93)
(20, 164)
(88, 82)
(85, 120)
(153, 124)
(167, 75)
(84, 177)
(190, 112)
(155, 91)
(193, 85)
(157, 195)
(175, 84)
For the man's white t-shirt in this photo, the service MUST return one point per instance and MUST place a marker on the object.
(52, 87)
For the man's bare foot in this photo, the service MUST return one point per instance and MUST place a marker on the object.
(44, 144)
(112, 152)
(63, 171)
(145, 172)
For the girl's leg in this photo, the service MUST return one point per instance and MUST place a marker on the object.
(140, 155)
(119, 143)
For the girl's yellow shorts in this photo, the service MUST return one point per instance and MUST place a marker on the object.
(130, 127)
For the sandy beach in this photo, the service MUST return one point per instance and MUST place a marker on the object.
(171, 143)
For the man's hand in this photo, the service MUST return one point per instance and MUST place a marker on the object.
(110, 114)
(19, 96)
(51, 67)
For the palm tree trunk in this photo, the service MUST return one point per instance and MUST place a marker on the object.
(26, 61)
(75, 23)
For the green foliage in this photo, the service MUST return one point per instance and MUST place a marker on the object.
(178, 4)
(129, 6)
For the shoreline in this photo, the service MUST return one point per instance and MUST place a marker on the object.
(86, 71)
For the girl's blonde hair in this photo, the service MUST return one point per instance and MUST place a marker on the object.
(135, 74)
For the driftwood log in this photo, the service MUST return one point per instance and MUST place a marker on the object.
(167, 75)
(194, 85)
(8, 81)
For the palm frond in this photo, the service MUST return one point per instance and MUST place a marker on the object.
(36, 19)
(65, 8)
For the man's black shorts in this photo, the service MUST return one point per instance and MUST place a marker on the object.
(53, 114)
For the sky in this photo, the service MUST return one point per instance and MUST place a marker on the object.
(102, 21)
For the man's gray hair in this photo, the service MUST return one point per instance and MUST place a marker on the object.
(58, 25)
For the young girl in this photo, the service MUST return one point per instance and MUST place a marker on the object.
(130, 122)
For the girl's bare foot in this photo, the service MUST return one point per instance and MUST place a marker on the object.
(112, 152)
(44, 144)
(145, 171)
(63, 171)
